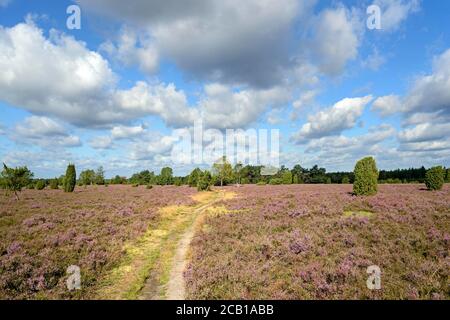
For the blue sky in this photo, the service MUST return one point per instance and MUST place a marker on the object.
(114, 92)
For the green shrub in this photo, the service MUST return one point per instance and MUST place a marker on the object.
(276, 181)
(366, 177)
(345, 180)
(149, 186)
(434, 178)
(40, 185)
(286, 176)
(31, 186)
(204, 181)
(135, 185)
(54, 184)
(261, 183)
(295, 179)
(71, 178)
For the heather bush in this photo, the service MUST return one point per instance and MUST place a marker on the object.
(434, 178)
(366, 177)
(40, 185)
(71, 178)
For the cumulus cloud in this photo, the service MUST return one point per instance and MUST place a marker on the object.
(335, 39)
(394, 12)
(387, 105)
(123, 132)
(332, 121)
(44, 132)
(101, 143)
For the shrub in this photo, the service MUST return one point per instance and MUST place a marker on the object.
(54, 184)
(135, 185)
(71, 178)
(434, 178)
(14, 179)
(40, 185)
(276, 181)
(261, 183)
(295, 179)
(286, 176)
(204, 181)
(345, 180)
(366, 177)
(149, 186)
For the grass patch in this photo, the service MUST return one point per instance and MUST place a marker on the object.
(358, 214)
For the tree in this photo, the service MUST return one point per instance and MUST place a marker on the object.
(345, 180)
(71, 178)
(295, 180)
(194, 177)
(366, 177)
(204, 182)
(166, 176)
(87, 177)
(54, 184)
(286, 176)
(447, 176)
(223, 171)
(237, 172)
(14, 179)
(40, 185)
(434, 178)
(99, 178)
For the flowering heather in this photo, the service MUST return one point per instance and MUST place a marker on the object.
(49, 230)
(316, 242)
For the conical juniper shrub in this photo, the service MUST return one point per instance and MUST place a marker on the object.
(434, 178)
(71, 178)
(366, 177)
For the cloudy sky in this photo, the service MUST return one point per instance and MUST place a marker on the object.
(113, 92)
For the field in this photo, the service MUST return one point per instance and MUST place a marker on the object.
(249, 242)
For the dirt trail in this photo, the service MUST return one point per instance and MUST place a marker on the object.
(175, 287)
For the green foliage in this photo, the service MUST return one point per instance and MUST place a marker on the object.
(149, 186)
(447, 176)
(286, 176)
(40, 184)
(223, 171)
(194, 177)
(54, 184)
(87, 177)
(276, 181)
(237, 172)
(71, 178)
(14, 179)
(166, 177)
(118, 180)
(205, 181)
(143, 178)
(345, 180)
(99, 178)
(295, 180)
(177, 181)
(366, 177)
(261, 183)
(434, 178)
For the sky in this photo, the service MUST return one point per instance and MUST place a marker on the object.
(117, 91)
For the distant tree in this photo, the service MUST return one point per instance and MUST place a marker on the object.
(118, 180)
(434, 178)
(223, 171)
(205, 181)
(366, 177)
(40, 184)
(14, 179)
(237, 172)
(345, 180)
(71, 178)
(178, 181)
(295, 179)
(194, 177)
(286, 176)
(276, 181)
(99, 178)
(166, 176)
(447, 176)
(54, 184)
(87, 177)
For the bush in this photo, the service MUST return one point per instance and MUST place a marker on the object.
(286, 176)
(71, 178)
(40, 185)
(261, 183)
(14, 179)
(276, 181)
(149, 186)
(434, 178)
(345, 180)
(54, 184)
(366, 177)
(204, 182)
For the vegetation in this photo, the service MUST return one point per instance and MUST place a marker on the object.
(14, 179)
(71, 178)
(223, 171)
(166, 177)
(54, 184)
(434, 178)
(40, 184)
(366, 177)
(205, 181)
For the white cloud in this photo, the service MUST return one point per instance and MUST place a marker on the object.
(44, 132)
(122, 132)
(387, 105)
(394, 12)
(101, 143)
(336, 39)
(332, 121)
(425, 132)
(374, 61)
